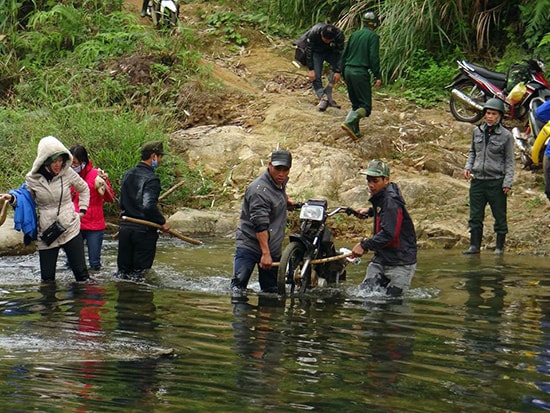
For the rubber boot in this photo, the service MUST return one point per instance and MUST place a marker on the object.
(499, 249)
(475, 243)
(351, 125)
(361, 113)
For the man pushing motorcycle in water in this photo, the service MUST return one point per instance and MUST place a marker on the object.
(393, 243)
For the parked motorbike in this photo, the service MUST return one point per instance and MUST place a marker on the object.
(310, 259)
(473, 85)
(532, 144)
(164, 12)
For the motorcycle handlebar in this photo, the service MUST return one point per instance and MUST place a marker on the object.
(348, 211)
(337, 210)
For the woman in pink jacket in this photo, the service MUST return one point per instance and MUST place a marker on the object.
(92, 225)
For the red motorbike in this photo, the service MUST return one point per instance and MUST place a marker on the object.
(474, 85)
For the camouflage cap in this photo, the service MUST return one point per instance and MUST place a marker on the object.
(376, 168)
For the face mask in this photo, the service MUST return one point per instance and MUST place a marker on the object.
(79, 168)
(155, 163)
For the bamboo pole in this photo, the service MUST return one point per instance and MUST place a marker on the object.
(164, 195)
(172, 232)
(322, 260)
(172, 189)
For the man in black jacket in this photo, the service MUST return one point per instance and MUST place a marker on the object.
(325, 43)
(139, 193)
(393, 265)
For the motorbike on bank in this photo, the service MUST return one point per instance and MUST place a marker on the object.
(473, 85)
(310, 259)
(532, 144)
(164, 13)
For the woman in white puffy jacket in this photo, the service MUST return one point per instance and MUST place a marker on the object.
(49, 183)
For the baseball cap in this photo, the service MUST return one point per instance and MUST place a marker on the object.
(281, 158)
(376, 168)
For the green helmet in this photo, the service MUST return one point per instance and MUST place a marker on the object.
(370, 18)
(495, 104)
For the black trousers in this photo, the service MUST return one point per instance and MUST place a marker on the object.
(137, 246)
(75, 255)
(483, 192)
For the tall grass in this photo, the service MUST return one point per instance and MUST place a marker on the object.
(113, 139)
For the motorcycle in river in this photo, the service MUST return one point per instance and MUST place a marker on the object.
(473, 85)
(532, 144)
(310, 259)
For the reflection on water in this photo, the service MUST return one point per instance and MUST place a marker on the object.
(472, 335)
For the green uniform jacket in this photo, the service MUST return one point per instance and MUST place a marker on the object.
(363, 50)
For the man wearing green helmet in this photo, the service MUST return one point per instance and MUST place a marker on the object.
(490, 170)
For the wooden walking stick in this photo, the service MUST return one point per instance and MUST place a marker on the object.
(172, 232)
(3, 210)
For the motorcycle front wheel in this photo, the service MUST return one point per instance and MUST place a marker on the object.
(461, 110)
(290, 269)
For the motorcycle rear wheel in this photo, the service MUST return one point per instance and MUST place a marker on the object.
(460, 110)
(290, 266)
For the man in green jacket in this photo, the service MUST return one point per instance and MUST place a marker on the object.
(361, 56)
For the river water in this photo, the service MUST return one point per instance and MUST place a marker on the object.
(472, 335)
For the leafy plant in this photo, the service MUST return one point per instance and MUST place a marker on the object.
(424, 80)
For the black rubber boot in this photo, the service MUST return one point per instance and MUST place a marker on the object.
(501, 239)
(475, 243)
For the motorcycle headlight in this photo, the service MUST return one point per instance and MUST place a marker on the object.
(312, 212)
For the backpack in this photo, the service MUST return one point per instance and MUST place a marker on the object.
(300, 52)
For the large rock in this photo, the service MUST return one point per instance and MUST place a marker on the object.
(199, 222)
(11, 241)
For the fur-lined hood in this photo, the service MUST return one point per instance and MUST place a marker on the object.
(48, 147)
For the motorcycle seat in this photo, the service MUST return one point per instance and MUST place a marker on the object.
(499, 79)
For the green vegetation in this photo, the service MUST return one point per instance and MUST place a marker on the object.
(67, 77)
(89, 72)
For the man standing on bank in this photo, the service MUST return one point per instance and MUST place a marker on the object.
(139, 194)
(490, 170)
(261, 231)
(361, 57)
(325, 43)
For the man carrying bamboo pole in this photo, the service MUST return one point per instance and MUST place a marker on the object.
(139, 194)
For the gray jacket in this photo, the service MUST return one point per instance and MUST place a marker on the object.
(264, 208)
(492, 158)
